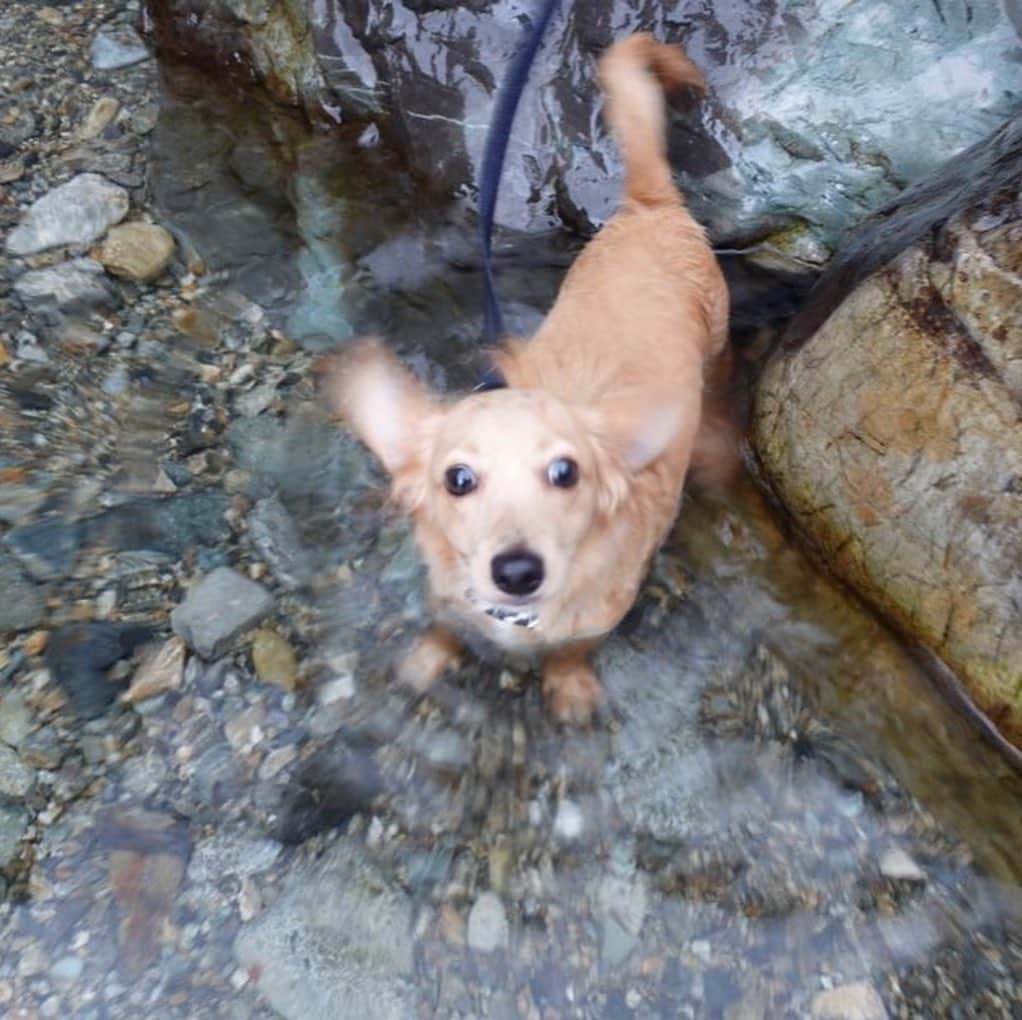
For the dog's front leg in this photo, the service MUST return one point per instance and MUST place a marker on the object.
(570, 685)
(431, 654)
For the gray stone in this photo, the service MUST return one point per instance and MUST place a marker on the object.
(811, 123)
(221, 856)
(616, 943)
(488, 928)
(219, 608)
(447, 751)
(14, 821)
(47, 548)
(67, 970)
(78, 212)
(18, 501)
(169, 525)
(117, 380)
(74, 286)
(336, 944)
(79, 656)
(274, 534)
(21, 605)
(17, 780)
(16, 718)
(114, 48)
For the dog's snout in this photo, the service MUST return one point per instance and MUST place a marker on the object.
(517, 572)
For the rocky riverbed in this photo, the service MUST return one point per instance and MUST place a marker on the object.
(213, 802)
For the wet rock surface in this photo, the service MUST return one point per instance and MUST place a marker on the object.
(892, 436)
(219, 608)
(810, 121)
(76, 213)
(775, 806)
(339, 924)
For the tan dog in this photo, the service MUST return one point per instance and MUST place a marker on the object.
(538, 507)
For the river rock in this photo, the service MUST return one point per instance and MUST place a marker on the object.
(810, 121)
(73, 286)
(274, 659)
(221, 606)
(22, 606)
(14, 822)
(892, 436)
(100, 117)
(274, 534)
(16, 779)
(79, 655)
(488, 928)
(47, 548)
(856, 1001)
(78, 212)
(161, 670)
(336, 944)
(117, 47)
(137, 251)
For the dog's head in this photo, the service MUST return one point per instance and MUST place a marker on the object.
(511, 490)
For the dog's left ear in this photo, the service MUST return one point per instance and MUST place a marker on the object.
(630, 435)
(387, 408)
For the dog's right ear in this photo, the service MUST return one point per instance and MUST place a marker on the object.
(387, 408)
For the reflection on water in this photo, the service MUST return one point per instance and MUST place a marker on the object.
(775, 806)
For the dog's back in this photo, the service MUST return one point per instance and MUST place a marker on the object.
(644, 307)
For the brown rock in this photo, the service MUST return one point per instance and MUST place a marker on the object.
(274, 659)
(161, 670)
(99, 117)
(137, 251)
(893, 437)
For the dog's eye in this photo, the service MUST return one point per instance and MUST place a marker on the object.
(562, 472)
(459, 480)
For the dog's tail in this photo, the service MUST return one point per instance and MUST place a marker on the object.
(634, 74)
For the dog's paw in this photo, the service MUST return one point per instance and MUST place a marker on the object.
(432, 654)
(572, 691)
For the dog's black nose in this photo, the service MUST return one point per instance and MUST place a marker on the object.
(518, 572)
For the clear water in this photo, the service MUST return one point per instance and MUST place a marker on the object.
(714, 847)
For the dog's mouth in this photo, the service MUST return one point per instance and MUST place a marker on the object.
(521, 615)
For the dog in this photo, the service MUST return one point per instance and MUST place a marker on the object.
(538, 507)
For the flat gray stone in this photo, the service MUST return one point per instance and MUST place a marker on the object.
(488, 927)
(17, 780)
(114, 48)
(47, 548)
(274, 534)
(78, 212)
(73, 286)
(16, 718)
(336, 944)
(21, 606)
(14, 821)
(237, 856)
(18, 502)
(221, 606)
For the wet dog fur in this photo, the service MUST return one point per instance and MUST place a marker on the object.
(566, 482)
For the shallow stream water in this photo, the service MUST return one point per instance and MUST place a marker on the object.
(776, 803)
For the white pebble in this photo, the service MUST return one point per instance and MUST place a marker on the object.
(568, 822)
(488, 927)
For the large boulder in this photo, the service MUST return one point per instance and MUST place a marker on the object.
(819, 110)
(892, 434)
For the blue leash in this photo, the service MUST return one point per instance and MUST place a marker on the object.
(493, 165)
